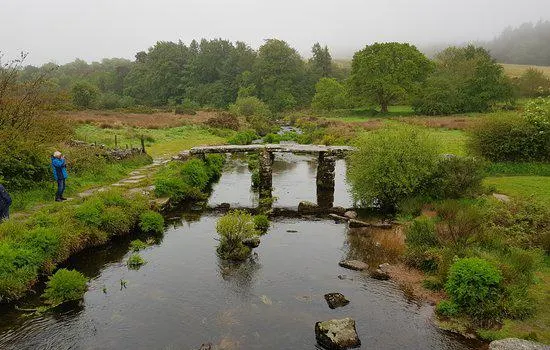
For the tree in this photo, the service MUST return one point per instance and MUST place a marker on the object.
(386, 72)
(321, 61)
(329, 95)
(465, 79)
(84, 94)
(280, 76)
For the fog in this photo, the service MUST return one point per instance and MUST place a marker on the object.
(62, 30)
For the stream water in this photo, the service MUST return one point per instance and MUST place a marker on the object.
(185, 296)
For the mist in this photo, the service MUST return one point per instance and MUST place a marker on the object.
(62, 30)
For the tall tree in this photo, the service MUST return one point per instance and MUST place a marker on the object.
(321, 61)
(386, 72)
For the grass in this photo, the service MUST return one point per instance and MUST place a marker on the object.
(515, 70)
(519, 169)
(535, 187)
(158, 142)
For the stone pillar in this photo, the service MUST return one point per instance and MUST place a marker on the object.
(325, 180)
(266, 181)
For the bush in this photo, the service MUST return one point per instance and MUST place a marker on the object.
(84, 94)
(391, 165)
(261, 223)
(137, 245)
(243, 138)
(65, 285)
(224, 120)
(187, 107)
(135, 261)
(475, 286)
(250, 106)
(421, 233)
(233, 228)
(447, 308)
(151, 222)
(511, 138)
(194, 173)
(533, 83)
(329, 95)
(455, 177)
(260, 124)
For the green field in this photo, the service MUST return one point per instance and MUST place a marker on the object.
(515, 70)
(535, 187)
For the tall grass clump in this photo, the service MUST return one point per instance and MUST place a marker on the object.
(151, 222)
(65, 285)
(233, 228)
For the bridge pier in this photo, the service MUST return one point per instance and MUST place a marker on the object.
(266, 174)
(325, 180)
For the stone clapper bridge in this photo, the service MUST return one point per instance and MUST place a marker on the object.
(327, 156)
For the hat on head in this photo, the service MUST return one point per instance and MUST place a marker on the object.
(57, 154)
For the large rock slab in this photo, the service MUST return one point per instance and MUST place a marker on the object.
(335, 300)
(337, 334)
(516, 344)
(354, 265)
(308, 207)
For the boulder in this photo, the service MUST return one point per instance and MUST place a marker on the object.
(516, 344)
(337, 334)
(353, 265)
(338, 210)
(308, 207)
(335, 300)
(351, 214)
(252, 242)
(380, 274)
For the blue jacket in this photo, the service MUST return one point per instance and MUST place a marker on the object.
(5, 199)
(59, 167)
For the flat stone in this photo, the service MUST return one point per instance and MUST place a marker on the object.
(337, 334)
(354, 265)
(308, 207)
(501, 197)
(337, 217)
(160, 203)
(516, 344)
(137, 177)
(335, 300)
(351, 214)
(130, 181)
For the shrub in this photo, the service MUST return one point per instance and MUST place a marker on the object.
(533, 83)
(447, 308)
(510, 138)
(65, 285)
(135, 261)
(187, 107)
(455, 177)
(475, 286)
(137, 245)
(151, 222)
(194, 174)
(329, 95)
(391, 165)
(261, 223)
(459, 222)
(243, 138)
(260, 124)
(84, 94)
(421, 233)
(250, 106)
(224, 120)
(233, 228)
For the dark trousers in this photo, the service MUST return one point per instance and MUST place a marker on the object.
(60, 188)
(4, 213)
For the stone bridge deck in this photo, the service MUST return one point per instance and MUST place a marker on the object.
(287, 148)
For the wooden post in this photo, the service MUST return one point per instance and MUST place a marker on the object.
(116, 142)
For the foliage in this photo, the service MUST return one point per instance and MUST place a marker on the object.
(84, 94)
(135, 261)
(224, 120)
(510, 138)
(151, 222)
(391, 164)
(329, 95)
(233, 228)
(421, 234)
(187, 107)
(474, 285)
(455, 177)
(249, 106)
(466, 79)
(243, 138)
(261, 223)
(532, 83)
(65, 285)
(537, 113)
(447, 308)
(387, 72)
(137, 245)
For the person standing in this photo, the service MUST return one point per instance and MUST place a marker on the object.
(59, 166)
(5, 202)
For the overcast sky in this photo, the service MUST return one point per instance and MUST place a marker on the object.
(62, 30)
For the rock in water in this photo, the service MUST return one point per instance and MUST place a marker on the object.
(308, 207)
(350, 214)
(380, 274)
(516, 344)
(354, 265)
(337, 334)
(252, 242)
(335, 300)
